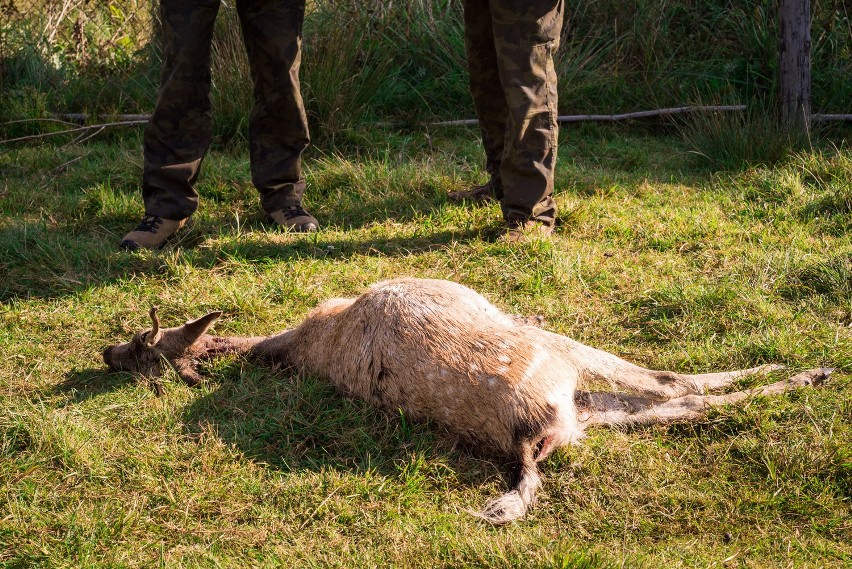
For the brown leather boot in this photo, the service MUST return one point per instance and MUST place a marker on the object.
(520, 230)
(152, 233)
(479, 195)
(295, 218)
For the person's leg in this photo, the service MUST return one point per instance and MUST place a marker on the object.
(526, 37)
(486, 89)
(179, 132)
(278, 126)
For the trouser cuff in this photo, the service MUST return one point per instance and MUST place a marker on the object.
(282, 197)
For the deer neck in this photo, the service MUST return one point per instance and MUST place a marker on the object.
(212, 346)
(264, 347)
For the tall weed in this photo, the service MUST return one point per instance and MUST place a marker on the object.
(344, 70)
(232, 92)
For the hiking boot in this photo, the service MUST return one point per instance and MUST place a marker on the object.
(479, 195)
(295, 218)
(519, 230)
(152, 233)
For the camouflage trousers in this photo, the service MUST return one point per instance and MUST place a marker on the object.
(510, 46)
(180, 131)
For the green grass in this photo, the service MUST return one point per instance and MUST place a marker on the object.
(668, 265)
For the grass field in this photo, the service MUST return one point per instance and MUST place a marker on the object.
(662, 262)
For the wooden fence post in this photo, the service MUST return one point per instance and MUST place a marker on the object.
(795, 62)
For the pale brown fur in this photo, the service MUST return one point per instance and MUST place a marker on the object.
(438, 350)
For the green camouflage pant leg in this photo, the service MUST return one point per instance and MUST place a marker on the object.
(180, 130)
(525, 36)
(278, 126)
(485, 86)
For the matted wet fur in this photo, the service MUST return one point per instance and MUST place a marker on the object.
(438, 350)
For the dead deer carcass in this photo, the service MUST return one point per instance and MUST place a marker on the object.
(439, 350)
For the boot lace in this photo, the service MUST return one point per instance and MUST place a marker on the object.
(294, 211)
(150, 223)
(516, 223)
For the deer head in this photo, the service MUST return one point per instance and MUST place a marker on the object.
(149, 351)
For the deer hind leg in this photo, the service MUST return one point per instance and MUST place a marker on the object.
(611, 409)
(672, 385)
(711, 381)
(603, 368)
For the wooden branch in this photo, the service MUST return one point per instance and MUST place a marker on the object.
(79, 129)
(22, 121)
(460, 122)
(619, 117)
(826, 118)
(83, 117)
(654, 113)
(136, 120)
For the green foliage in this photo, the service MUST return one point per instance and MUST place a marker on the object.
(360, 64)
(367, 62)
(79, 57)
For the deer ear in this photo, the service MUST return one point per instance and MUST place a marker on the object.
(155, 335)
(194, 329)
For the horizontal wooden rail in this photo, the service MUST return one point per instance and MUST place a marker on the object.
(141, 119)
(617, 117)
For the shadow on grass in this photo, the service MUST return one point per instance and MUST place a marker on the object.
(82, 385)
(318, 246)
(52, 263)
(295, 422)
